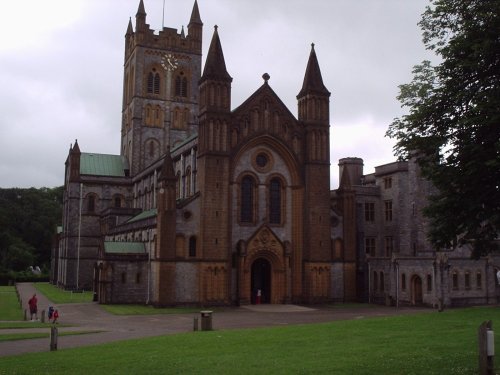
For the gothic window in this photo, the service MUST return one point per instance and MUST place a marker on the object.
(403, 282)
(188, 181)
(179, 181)
(247, 199)
(138, 278)
(153, 86)
(91, 203)
(192, 246)
(455, 280)
(382, 282)
(375, 281)
(117, 201)
(467, 280)
(479, 282)
(429, 283)
(181, 85)
(275, 201)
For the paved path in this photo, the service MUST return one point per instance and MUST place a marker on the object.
(91, 317)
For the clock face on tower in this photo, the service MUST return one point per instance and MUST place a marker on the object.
(169, 62)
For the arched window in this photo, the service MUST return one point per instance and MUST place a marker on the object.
(118, 201)
(91, 203)
(188, 181)
(153, 86)
(275, 201)
(375, 281)
(247, 189)
(181, 84)
(382, 282)
(179, 181)
(403, 282)
(192, 246)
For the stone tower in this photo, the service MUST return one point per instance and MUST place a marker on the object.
(160, 89)
(313, 113)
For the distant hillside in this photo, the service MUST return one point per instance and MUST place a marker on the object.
(28, 222)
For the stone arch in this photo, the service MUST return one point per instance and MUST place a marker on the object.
(264, 245)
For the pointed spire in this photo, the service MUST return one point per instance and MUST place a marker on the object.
(195, 14)
(183, 36)
(76, 148)
(313, 82)
(130, 30)
(141, 11)
(215, 66)
(167, 170)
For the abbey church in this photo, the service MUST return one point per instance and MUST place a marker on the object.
(211, 204)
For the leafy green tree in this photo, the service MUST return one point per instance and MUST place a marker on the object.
(453, 122)
(28, 221)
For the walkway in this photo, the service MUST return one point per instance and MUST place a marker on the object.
(91, 317)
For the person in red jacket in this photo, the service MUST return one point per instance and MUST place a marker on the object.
(33, 304)
(55, 315)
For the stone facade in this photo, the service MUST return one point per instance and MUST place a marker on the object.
(208, 205)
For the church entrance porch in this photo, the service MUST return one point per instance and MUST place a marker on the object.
(263, 266)
(261, 281)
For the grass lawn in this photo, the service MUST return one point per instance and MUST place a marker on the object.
(9, 304)
(58, 295)
(426, 343)
(146, 310)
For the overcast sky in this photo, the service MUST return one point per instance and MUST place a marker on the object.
(61, 70)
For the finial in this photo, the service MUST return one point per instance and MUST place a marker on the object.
(312, 46)
(216, 27)
(266, 77)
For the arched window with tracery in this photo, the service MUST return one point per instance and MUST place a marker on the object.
(181, 85)
(153, 86)
(247, 199)
(275, 201)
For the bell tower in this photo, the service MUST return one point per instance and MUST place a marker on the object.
(160, 88)
(314, 114)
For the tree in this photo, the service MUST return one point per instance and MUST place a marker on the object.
(453, 122)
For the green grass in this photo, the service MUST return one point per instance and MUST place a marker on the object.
(59, 296)
(39, 335)
(426, 343)
(10, 308)
(146, 310)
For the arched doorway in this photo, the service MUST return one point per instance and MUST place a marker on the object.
(261, 280)
(416, 288)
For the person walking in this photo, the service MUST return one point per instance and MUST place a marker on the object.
(33, 305)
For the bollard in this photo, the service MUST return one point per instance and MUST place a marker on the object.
(25, 315)
(486, 348)
(53, 339)
(195, 324)
(43, 316)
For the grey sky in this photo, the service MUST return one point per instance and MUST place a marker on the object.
(61, 70)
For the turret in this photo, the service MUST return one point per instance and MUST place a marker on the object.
(74, 162)
(140, 18)
(195, 27)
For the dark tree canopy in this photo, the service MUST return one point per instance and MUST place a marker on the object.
(28, 221)
(453, 122)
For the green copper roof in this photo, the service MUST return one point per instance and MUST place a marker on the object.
(101, 165)
(124, 247)
(143, 215)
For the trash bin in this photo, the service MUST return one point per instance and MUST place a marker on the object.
(206, 320)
